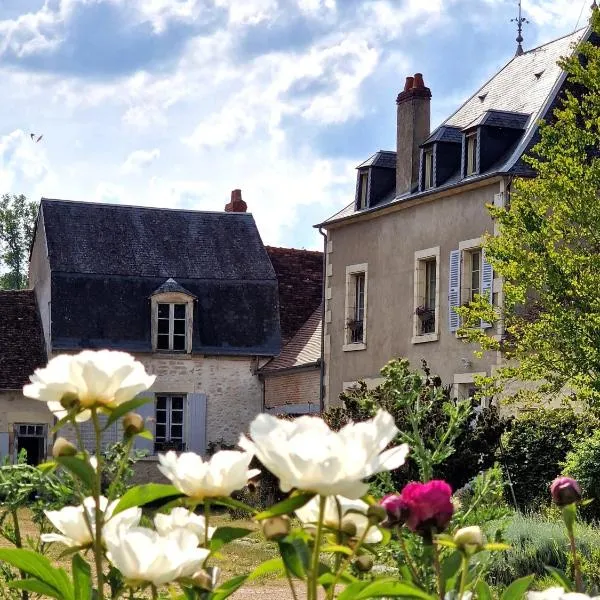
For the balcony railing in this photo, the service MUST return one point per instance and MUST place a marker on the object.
(356, 331)
(426, 320)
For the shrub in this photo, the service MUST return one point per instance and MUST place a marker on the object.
(535, 447)
(113, 456)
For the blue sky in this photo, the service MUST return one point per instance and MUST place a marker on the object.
(175, 103)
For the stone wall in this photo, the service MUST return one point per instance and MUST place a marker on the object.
(292, 387)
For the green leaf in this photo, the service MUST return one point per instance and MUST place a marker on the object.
(561, 578)
(516, 590)
(36, 586)
(390, 587)
(147, 435)
(285, 507)
(352, 590)
(66, 419)
(224, 535)
(123, 409)
(337, 549)
(274, 565)
(231, 503)
(79, 467)
(292, 558)
(483, 591)
(229, 587)
(450, 568)
(141, 495)
(38, 567)
(82, 578)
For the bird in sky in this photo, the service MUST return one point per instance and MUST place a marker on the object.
(35, 137)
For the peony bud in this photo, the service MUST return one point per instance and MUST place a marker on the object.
(349, 527)
(565, 491)
(276, 528)
(63, 447)
(395, 510)
(133, 424)
(203, 580)
(69, 401)
(469, 538)
(364, 563)
(376, 514)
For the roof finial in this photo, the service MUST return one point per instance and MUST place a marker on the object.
(520, 21)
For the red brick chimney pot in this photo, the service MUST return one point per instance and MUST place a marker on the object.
(409, 83)
(236, 204)
(413, 88)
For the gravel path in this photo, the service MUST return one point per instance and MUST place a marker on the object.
(273, 590)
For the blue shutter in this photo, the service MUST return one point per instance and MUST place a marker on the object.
(196, 423)
(4, 447)
(147, 411)
(454, 290)
(487, 283)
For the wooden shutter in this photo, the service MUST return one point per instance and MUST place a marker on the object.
(147, 411)
(487, 283)
(454, 290)
(196, 423)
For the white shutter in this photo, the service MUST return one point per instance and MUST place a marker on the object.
(4, 446)
(487, 283)
(147, 411)
(454, 290)
(196, 423)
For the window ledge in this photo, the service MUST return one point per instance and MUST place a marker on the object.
(427, 337)
(354, 347)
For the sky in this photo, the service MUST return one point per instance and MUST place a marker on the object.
(174, 103)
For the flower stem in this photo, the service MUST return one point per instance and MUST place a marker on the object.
(464, 576)
(313, 586)
(154, 592)
(206, 518)
(124, 459)
(98, 553)
(19, 544)
(345, 563)
(576, 565)
(290, 581)
(438, 570)
(407, 558)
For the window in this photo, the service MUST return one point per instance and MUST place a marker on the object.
(363, 185)
(428, 161)
(171, 327)
(474, 259)
(472, 154)
(356, 307)
(426, 315)
(169, 430)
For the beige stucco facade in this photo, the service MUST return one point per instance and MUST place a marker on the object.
(385, 244)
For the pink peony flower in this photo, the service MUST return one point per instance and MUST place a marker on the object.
(424, 507)
(564, 491)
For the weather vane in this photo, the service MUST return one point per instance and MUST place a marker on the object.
(520, 21)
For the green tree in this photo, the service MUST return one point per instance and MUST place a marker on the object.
(548, 250)
(17, 223)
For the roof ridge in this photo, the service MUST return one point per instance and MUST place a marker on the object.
(558, 39)
(137, 206)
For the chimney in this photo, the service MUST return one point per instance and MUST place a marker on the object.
(236, 204)
(413, 115)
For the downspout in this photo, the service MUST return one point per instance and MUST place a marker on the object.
(322, 365)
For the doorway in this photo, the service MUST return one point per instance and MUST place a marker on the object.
(31, 439)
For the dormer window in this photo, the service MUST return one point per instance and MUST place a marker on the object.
(363, 188)
(172, 318)
(471, 149)
(428, 169)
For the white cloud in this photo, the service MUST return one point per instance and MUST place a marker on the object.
(139, 159)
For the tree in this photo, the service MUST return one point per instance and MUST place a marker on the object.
(17, 223)
(548, 251)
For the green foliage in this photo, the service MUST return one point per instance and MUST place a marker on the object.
(17, 223)
(449, 439)
(548, 249)
(114, 455)
(535, 448)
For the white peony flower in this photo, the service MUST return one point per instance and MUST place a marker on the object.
(94, 378)
(181, 518)
(74, 528)
(306, 454)
(558, 593)
(225, 472)
(143, 555)
(309, 514)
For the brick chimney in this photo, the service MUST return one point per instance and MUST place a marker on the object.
(236, 204)
(413, 123)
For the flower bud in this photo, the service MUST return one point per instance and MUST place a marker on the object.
(203, 580)
(63, 447)
(69, 401)
(276, 528)
(376, 514)
(364, 563)
(565, 491)
(349, 527)
(133, 424)
(395, 510)
(469, 538)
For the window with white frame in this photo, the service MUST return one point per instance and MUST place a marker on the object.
(428, 169)
(169, 426)
(363, 188)
(471, 149)
(356, 307)
(426, 281)
(171, 326)
(472, 260)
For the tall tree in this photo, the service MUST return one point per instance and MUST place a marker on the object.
(17, 223)
(548, 251)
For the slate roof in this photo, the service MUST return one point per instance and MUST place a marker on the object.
(171, 286)
(383, 158)
(501, 118)
(445, 134)
(21, 339)
(304, 349)
(527, 84)
(300, 277)
(107, 260)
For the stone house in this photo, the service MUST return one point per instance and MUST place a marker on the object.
(24, 423)
(407, 250)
